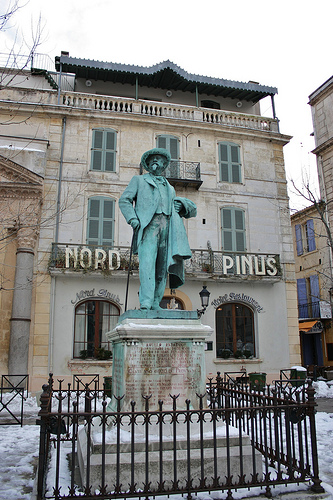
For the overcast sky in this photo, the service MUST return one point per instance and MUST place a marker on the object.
(284, 44)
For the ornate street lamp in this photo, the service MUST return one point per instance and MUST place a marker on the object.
(204, 296)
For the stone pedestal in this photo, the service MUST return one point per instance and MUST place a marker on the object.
(204, 453)
(158, 353)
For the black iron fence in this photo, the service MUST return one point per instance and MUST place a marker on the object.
(13, 392)
(235, 438)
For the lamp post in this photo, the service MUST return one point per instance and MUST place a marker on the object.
(204, 296)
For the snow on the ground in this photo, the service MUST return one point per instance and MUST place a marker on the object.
(323, 390)
(19, 448)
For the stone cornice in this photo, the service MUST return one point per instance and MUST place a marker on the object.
(323, 147)
(20, 190)
(17, 174)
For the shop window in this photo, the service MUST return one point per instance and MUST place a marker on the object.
(308, 296)
(234, 331)
(103, 151)
(305, 233)
(100, 225)
(233, 229)
(93, 318)
(229, 162)
(171, 144)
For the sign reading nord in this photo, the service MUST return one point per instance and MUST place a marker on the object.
(211, 262)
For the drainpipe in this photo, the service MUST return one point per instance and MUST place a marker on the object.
(51, 335)
(274, 113)
(60, 179)
(56, 240)
(196, 96)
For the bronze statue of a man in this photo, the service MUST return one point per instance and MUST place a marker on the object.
(149, 204)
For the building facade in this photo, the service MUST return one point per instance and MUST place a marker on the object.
(321, 102)
(226, 158)
(314, 286)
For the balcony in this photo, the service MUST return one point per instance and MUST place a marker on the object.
(110, 105)
(310, 310)
(203, 263)
(184, 173)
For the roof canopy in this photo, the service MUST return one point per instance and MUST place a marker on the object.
(165, 75)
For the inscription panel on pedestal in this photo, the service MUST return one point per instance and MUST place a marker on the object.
(160, 369)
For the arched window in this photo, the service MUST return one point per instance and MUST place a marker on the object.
(100, 221)
(234, 331)
(171, 302)
(93, 318)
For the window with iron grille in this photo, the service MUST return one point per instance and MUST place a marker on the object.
(103, 151)
(308, 297)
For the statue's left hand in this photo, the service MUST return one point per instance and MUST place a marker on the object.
(178, 205)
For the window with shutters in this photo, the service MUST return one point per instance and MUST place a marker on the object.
(308, 297)
(103, 151)
(229, 162)
(234, 331)
(100, 225)
(305, 233)
(233, 229)
(171, 144)
(93, 319)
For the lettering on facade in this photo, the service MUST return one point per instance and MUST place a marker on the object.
(92, 259)
(235, 265)
(237, 297)
(102, 293)
(257, 265)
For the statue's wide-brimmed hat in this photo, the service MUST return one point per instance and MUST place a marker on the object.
(155, 151)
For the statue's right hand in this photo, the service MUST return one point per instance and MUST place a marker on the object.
(135, 223)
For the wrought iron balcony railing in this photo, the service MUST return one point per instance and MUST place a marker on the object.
(108, 259)
(184, 173)
(310, 310)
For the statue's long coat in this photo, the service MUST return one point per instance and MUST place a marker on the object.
(143, 191)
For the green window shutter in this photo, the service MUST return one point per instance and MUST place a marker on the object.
(239, 230)
(173, 148)
(100, 225)
(223, 157)
(170, 143)
(108, 222)
(94, 208)
(227, 236)
(161, 142)
(233, 230)
(103, 152)
(229, 162)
